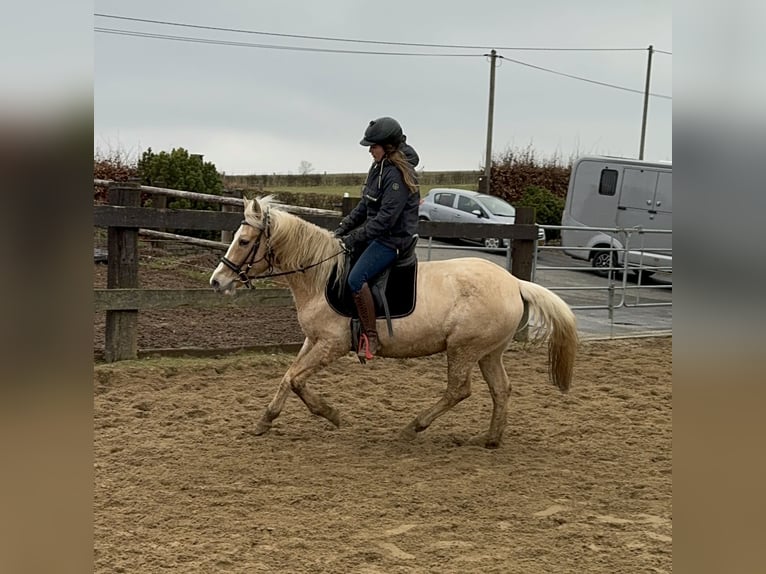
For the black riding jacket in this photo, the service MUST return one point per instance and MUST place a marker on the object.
(388, 210)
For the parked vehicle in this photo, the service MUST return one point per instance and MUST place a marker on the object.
(461, 206)
(611, 192)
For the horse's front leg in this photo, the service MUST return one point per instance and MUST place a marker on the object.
(311, 358)
(278, 402)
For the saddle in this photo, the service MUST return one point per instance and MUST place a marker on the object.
(393, 290)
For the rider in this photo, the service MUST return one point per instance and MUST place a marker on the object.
(385, 221)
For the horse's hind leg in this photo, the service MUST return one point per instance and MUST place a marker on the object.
(458, 388)
(310, 359)
(500, 389)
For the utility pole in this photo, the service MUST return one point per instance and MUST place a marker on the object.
(646, 102)
(490, 114)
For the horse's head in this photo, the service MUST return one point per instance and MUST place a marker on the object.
(249, 253)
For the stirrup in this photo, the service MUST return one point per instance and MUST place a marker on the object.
(363, 352)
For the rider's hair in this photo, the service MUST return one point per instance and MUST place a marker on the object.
(397, 158)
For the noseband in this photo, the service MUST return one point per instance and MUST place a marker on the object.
(243, 268)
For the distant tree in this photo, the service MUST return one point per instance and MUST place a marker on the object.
(114, 165)
(178, 169)
(305, 168)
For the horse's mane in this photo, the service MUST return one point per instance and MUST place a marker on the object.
(296, 242)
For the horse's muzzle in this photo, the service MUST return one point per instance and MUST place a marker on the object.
(224, 285)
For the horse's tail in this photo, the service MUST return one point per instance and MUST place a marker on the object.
(550, 317)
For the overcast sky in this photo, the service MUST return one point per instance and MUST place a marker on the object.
(263, 110)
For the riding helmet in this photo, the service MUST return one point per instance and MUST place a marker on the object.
(382, 131)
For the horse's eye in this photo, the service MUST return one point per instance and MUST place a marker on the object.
(244, 242)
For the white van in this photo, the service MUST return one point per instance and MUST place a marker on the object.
(615, 200)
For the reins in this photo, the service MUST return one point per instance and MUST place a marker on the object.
(242, 274)
(299, 270)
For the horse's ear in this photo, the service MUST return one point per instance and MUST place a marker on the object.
(252, 207)
(257, 208)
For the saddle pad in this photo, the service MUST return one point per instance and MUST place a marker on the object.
(401, 292)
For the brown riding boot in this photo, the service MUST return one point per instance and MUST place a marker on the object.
(368, 340)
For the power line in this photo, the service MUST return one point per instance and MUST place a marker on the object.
(194, 40)
(357, 41)
(615, 86)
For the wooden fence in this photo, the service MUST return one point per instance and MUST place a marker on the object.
(125, 219)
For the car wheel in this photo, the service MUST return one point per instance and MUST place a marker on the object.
(602, 261)
(492, 243)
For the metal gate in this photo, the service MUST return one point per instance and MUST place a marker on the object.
(628, 297)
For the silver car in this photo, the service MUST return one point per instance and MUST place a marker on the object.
(461, 206)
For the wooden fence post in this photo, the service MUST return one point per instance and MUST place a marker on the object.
(228, 235)
(522, 257)
(121, 335)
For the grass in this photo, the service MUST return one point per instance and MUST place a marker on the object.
(340, 190)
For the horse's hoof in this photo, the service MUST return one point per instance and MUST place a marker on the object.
(482, 440)
(262, 428)
(334, 417)
(408, 433)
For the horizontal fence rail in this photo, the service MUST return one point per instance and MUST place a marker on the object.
(131, 299)
(125, 219)
(154, 218)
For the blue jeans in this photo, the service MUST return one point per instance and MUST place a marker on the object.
(375, 259)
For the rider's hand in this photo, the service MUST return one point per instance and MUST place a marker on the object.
(343, 228)
(348, 241)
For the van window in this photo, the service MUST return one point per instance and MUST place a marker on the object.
(608, 183)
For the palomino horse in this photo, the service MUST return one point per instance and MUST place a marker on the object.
(469, 307)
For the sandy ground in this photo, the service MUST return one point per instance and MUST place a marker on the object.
(582, 482)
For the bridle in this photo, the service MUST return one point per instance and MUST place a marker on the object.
(243, 268)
